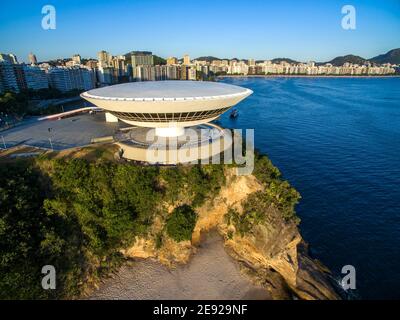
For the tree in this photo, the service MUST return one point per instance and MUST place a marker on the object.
(181, 223)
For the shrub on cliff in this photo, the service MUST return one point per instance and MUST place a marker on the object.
(284, 197)
(22, 221)
(277, 191)
(255, 211)
(264, 170)
(75, 216)
(192, 184)
(181, 223)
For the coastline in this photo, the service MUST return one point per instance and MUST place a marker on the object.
(247, 258)
(223, 259)
(303, 76)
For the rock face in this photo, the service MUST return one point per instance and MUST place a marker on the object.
(276, 255)
(272, 253)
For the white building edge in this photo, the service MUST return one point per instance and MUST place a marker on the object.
(168, 107)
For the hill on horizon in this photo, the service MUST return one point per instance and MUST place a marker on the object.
(207, 58)
(157, 60)
(339, 61)
(211, 58)
(392, 56)
(278, 60)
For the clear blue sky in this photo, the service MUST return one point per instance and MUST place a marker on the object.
(302, 30)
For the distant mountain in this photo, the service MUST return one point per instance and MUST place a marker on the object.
(392, 56)
(211, 58)
(137, 52)
(278, 60)
(207, 58)
(339, 61)
(157, 60)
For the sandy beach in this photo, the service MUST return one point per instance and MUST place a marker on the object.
(211, 274)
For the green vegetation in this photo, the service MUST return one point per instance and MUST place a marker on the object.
(23, 227)
(76, 214)
(50, 93)
(392, 57)
(193, 185)
(19, 104)
(180, 224)
(51, 109)
(340, 61)
(13, 104)
(159, 61)
(208, 58)
(253, 214)
(277, 193)
(73, 215)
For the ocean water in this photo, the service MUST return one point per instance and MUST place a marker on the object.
(337, 140)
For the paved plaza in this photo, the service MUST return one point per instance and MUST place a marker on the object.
(65, 133)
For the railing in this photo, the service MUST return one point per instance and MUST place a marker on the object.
(68, 113)
(126, 138)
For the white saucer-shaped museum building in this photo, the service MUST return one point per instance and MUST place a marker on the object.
(166, 108)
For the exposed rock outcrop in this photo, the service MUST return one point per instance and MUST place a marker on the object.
(272, 253)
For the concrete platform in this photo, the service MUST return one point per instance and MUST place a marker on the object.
(200, 142)
(65, 133)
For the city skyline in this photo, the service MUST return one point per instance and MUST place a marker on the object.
(300, 31)
(75, 74)
(33, 58)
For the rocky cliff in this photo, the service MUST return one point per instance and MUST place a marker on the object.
(86, 208)
(271, 250)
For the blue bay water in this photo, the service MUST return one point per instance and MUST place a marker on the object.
(337, 140)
